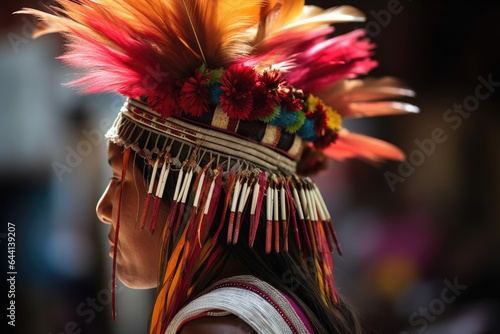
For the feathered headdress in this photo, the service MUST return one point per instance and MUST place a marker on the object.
(231, 65)
(269, 60)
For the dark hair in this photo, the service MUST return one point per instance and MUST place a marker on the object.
(292, 274)
(289, 272)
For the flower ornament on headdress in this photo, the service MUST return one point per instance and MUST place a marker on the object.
(269, 60)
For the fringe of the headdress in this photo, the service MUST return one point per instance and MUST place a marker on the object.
(292, 205)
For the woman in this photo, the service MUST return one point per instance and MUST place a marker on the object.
(231, 104)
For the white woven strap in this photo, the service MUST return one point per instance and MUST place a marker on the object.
(264, 314)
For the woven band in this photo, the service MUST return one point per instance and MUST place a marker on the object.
(135, 114)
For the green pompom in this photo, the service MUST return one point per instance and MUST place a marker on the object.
(273, 115)
(299, 122)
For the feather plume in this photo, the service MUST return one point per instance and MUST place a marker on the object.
(380, 108)
(355, 145)
(276, 14)
(131, 45)
(310, 18)
(369, 97)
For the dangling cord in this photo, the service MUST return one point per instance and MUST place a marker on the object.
(165, 170)
(269, 215)
(126, 156)
(300, 213)
(258, 196)
(284, 220)
(234, 202)
(293, 212)
(149, 195)
(245, 194)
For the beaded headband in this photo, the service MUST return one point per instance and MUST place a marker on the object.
(255, 170)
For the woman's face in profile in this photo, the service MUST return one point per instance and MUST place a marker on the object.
(137, 251)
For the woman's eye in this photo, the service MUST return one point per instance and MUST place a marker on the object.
(115, 179)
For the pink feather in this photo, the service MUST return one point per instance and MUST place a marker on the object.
(344, 56)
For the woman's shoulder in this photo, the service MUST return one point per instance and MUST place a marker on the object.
(238, 303)
(215, 325)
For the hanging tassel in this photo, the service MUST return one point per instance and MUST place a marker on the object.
(269, 216)
(276, 217)
(284, 220)
(149, 195)
(307, 215)
(245, 193)
(258, 196)
(212, 209)
(200, 219)
(183, 193)
(183, 196)
(322, 221)
(293, 213)
(300, 213)
(201, 191)
(207, 205)
(234, 202)
(175, 201)
(126, 156)
(165, 170)
(313, 219)
(328, 221)
(231, 182)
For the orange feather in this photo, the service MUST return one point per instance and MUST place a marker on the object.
(355, 145)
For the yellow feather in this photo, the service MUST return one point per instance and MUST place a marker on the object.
(277, 14)
(178, 36)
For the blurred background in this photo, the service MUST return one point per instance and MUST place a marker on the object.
(420, 239)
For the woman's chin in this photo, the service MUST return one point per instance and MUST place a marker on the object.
(134, 281)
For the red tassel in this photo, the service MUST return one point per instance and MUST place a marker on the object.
(175, 203)
(177, 227)
(183, 196)
(269, 229)
(284, 220)
(255, 217)
(233, 204)
(311, 235)
(150, 194)
(207, 194)
(154, 216)
(293, 216)
(230, 227)
(305, 232)
(242, 205)
(145, 211)
(269, 216)
(300, 213)
(276, 220)
(276, 236)
(328, 222)
(170, 219)
(284, 223)
(215, 196)
(231, 180)
(334, 236)
(237, 227)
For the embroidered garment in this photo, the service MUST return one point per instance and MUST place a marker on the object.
(257, 303)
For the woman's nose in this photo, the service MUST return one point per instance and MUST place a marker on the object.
(104, 207)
